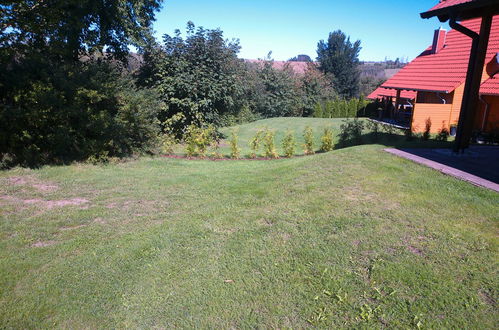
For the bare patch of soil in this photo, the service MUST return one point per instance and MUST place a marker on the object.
(415, 250)
(33, 182)
(487, 298)
(72, 228)
(43, 243)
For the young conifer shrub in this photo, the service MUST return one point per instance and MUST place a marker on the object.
(427, 130)
(289, 143)
(269, 144)
(308, 136)
(190, 140)
(168, 142)
(255, 143)
(327, 140)
(235, 151)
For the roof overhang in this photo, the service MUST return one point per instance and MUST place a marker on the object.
(464, 11)
(418, 89)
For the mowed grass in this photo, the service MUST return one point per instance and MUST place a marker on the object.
(353, 238)
(280, 125)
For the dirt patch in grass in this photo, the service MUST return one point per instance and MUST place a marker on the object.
(30, 181)
(43, 243)
(45, 204)
(415, 250)
(487, 297)
(72, 227)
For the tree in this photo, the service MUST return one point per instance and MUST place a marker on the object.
(199, 78)
(300, 58)
(339, 57)
(66, 28)
(313, 87)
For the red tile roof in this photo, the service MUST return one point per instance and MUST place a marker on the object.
(296, 67)
(490, 86)
(391, 92)
(446, 70)
(449, 3)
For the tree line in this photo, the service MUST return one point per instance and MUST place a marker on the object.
(67, 91)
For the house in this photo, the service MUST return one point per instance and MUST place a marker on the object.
(434, 83)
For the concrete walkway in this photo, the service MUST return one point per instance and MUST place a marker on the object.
(478, 165)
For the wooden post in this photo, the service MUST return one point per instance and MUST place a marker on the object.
(472, 86)
(397, 104)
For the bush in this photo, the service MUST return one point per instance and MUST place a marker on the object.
(373, 127)
(327, 140)
(254, 144)
(269, 144)
(198, 139)
(443, 135)
(58, 113)
(235, 151)
(289, 143)
(168, 142)
(351, 132)
(427, 129)
(308, 136)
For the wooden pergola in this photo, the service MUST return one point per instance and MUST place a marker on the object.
(459, 10)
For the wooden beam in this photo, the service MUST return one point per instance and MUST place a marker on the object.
(472, 86)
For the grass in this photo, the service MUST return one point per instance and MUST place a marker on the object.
(353, 238)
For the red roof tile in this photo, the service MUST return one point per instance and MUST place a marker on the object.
(391, 92)
(446, 70)
(490, 86)
(449, 3)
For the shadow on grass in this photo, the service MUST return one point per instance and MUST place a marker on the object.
(392, 140)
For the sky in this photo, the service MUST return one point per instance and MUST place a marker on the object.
(386, 28)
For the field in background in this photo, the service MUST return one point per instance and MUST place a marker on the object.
(351, 238)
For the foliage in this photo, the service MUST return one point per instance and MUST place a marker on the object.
(427, 130)
(373, 127)
(301, 58)
(198, 77)
(198, 139)
(311, 88)
(443, 135)
(289, 143)
(235, 151)
(308, 136)
(65, 112)
(271, 91)
(338, 56)
(66, 29)
(327, 140)
(339, 108)
(351, 132)
(168, 143)
(255, 142)
(269, 144)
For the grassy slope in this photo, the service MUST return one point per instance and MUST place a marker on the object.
(355, 237)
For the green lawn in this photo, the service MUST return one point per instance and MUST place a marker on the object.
(352, 238)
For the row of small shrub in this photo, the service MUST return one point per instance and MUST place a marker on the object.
(340, 108)
(198, 140)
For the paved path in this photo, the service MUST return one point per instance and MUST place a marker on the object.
(479, 165)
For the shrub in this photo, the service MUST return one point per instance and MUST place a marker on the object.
(327, 140)
(409, 135)
(168, 142)
(427, 129)
(443, 135)
(289, 143)
(254, 143)
(198, 139)
(235, 151)
(308, 136)
(373, 127)
(351, 132)
(269, 144)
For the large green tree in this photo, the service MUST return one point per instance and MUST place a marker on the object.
(69, 27)
(199, 77)
(60, 98)
(339, 57)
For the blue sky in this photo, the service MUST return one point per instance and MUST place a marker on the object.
(387, 28)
